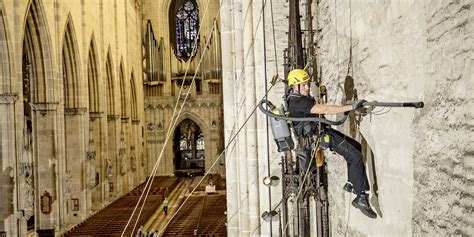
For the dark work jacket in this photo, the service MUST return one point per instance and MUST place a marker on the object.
(300, 106)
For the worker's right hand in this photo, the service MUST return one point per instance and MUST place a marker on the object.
(357, 104)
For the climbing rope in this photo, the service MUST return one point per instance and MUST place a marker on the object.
(152, 176)
(150, 180)
(231, 141)
(234, 135)
(300, 186)
(174, 121)
(349, 64)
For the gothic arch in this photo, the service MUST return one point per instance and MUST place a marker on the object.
(195, 118)
(123, 91)
(70, 62)
(5, 73)
(93, 77)
(184, 21)
(110, 84)
(37, 55)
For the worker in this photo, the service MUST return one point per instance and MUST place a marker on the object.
(302, 104)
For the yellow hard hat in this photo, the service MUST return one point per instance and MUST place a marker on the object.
(297, 76)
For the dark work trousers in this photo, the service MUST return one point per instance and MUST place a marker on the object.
(350, 149)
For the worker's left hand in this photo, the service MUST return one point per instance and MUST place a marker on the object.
(357, 104)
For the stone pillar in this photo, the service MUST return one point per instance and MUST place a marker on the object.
(250, 127)
(73, 178)
(99, 191)
(45, 143)
(113, 165)
(125, 168)
(139, 175)
(241, 141)
(14, 225)
(227, 9)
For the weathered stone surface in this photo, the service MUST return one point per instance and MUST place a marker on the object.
(406, 51)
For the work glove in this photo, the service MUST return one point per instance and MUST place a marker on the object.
(357, 104)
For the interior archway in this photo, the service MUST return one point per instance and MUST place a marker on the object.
(188, 149)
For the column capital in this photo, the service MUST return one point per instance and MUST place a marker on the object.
(125, 119)
(75, 111)
(94, 115)
(111, 117)
(8, 98)
(44, 107)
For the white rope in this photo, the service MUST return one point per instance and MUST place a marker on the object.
(212, 166)
(155, 167)
(233, 135)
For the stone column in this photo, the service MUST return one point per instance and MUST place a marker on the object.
(228, 74)
(250, 101)
(73, 178)
(99, 191)
(241, 142)
(138, 151)
(13, 224)
(45, 142)
(125, 160)
(113, 165)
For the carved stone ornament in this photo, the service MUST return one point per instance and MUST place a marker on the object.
(133, 159)
(91, 155)
(91, 169)
(143, 159)
(46, 203)
(149, 107)
(109, 170)
(150, 126)
(29, 194)
(67, 182)
(122, 154)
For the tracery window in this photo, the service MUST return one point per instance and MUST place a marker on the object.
(186, 26)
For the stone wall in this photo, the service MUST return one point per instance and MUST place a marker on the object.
(419, 162)
(59, 36)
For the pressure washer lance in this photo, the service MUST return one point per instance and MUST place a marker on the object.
(281, 130)
(416, 105)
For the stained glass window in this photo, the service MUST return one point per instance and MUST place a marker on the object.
(187, 26)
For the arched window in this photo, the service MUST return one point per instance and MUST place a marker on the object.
(184, 24)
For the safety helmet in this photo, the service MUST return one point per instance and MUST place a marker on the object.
(297, 76)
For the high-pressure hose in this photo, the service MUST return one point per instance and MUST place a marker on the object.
(297, 119)
(281, 131)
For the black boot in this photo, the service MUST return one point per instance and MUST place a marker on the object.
(348, 188)
(362, 202)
